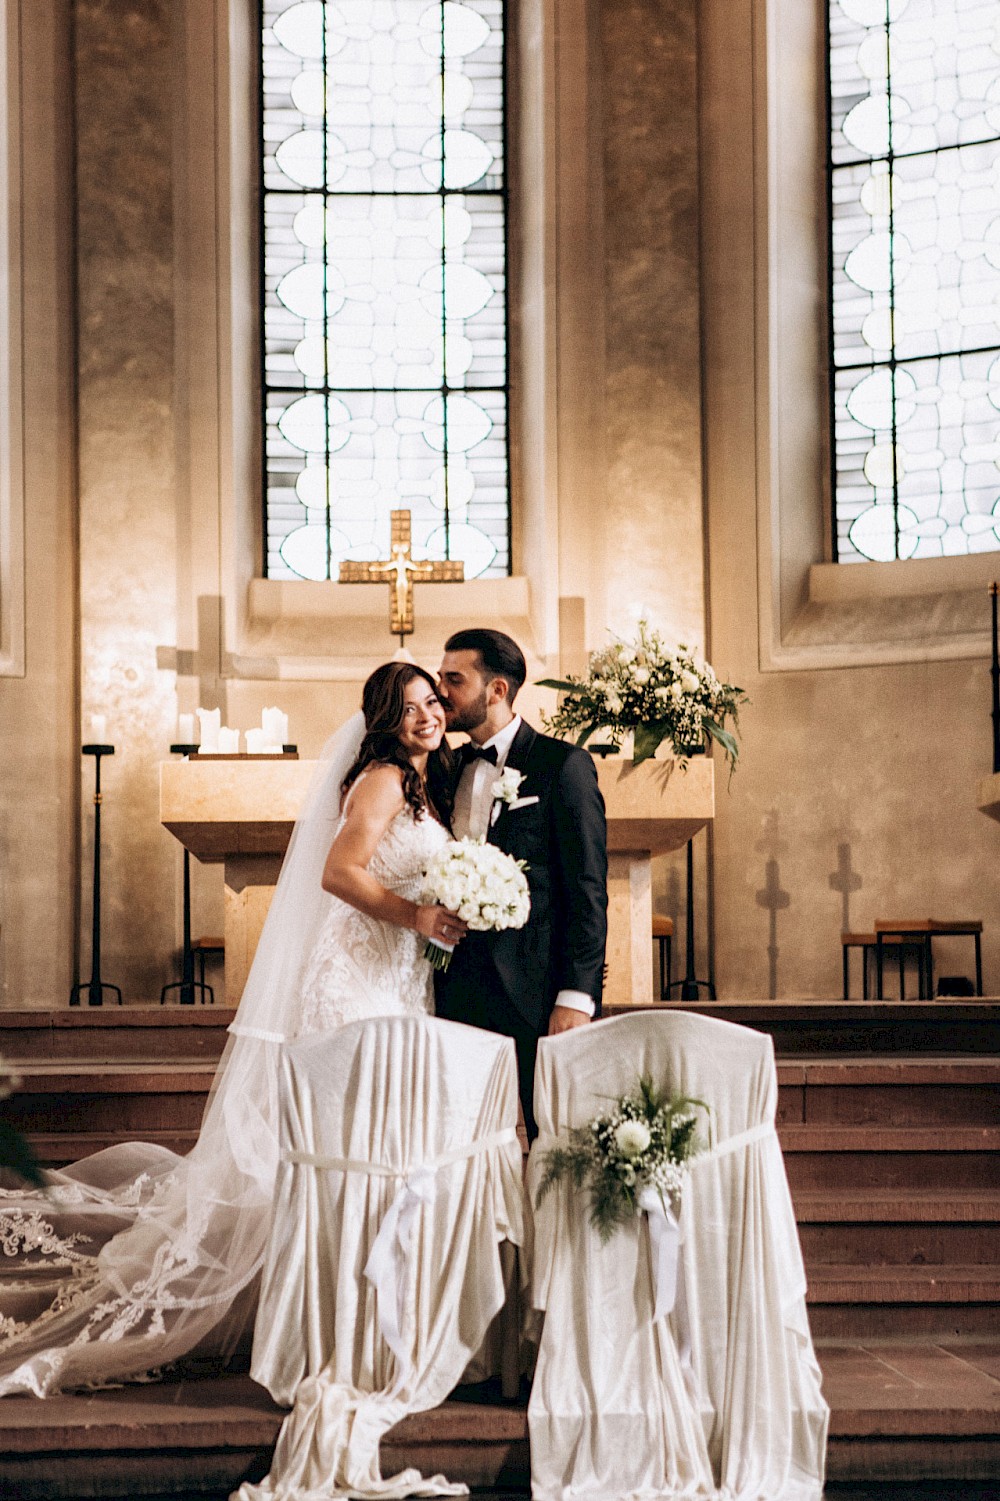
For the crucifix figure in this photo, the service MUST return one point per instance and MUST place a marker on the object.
(400, 571)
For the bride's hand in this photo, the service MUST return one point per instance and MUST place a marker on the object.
(437, 922)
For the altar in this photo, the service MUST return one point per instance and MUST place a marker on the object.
(240, 814)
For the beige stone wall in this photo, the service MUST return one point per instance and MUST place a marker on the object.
(856, 793)
(39, 732)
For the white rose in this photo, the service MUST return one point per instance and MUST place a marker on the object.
(689, 682)
(632, 1138)
(676, 692)
(640, 675)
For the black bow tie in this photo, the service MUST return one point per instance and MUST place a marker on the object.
(469, 753)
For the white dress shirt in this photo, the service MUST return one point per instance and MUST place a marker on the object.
(471, 819)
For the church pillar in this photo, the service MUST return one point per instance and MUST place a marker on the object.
(125, 276)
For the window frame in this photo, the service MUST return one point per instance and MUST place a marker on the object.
(444, 390)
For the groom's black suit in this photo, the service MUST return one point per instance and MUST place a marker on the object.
(508, 981)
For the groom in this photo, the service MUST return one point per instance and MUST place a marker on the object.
(545, 977)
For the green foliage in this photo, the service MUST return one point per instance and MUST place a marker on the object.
(595, 1160)
(655, 693)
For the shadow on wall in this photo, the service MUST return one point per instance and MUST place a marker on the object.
(846, 881)
(771, 897)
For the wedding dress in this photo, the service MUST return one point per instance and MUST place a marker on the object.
(135, 1256)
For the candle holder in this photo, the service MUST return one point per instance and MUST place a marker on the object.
(96, 987)
(994, 673)
(187, 986)
(690, 987)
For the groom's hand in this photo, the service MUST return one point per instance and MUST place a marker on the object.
(565, 1018)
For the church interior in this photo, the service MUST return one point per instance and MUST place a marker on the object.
(673, 416)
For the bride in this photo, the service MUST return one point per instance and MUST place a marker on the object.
(136, 1257)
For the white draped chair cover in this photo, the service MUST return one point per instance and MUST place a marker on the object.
(398, 1121)
(721, 1399)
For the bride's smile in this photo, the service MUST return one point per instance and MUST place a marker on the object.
(423, 724)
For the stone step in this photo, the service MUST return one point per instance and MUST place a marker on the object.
(899, 1410)
(946, 1106)
(897, 1157)
(902, 1301)
(817, 1029)
(129, 1099)
(876, 1227)
(59, 1148)
(840, 1028)
(118, 1033)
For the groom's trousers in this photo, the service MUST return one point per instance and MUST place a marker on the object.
(471, 993)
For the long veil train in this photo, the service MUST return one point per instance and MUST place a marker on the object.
(135, 1257)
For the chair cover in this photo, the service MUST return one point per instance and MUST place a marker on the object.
(616, 1399)
(400, 1177)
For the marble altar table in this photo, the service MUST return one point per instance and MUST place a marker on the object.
(240, 814)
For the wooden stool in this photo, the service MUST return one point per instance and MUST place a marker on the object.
(201, 948)
(920, 931)
(866, 943)
(663, 932)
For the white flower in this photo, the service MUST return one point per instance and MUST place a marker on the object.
(676, 692)
(627, 1174)
(614, 703)
(632, 1138)
(689, 682)
(640, 675)
(507, 785)
(662, 693)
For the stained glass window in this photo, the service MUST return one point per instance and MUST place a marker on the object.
(915, 229)
(384, 282)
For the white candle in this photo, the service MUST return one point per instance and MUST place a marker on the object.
(210, 721)
(185, 729)
(284, 730)
(272, 723)
(255, 742)
(229, 741)
(98, 729)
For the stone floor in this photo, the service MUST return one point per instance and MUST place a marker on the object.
(901, 1413)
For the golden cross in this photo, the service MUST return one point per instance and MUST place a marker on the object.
(401, 571)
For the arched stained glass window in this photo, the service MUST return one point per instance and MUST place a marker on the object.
(384, 282)
(915, 229)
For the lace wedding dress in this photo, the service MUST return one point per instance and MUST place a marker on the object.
(136, 1257)
(362, 967)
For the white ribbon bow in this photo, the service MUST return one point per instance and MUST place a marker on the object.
(665, 1244)
(387, 1260)
(392, 1245)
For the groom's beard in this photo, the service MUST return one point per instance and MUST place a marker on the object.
(468, 719)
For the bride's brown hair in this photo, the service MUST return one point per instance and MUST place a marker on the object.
(383, 703)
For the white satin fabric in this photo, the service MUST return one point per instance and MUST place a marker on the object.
(721, 1399)
(400, 1177)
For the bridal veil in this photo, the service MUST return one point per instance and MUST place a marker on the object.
(135, 1256)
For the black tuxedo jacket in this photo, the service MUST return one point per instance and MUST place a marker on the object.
(563, 839)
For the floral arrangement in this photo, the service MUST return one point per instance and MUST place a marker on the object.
(486, 887)
(15, 1153)
(651, 691)
(645, 1142)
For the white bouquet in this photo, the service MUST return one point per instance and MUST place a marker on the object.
(645, 1143)
(485, 886)
(651, 690)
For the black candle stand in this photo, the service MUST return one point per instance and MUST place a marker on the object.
(690, 986)
(994, 673)
(187, 985)
(96, 987)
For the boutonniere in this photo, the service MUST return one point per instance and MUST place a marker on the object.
(507, 785)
